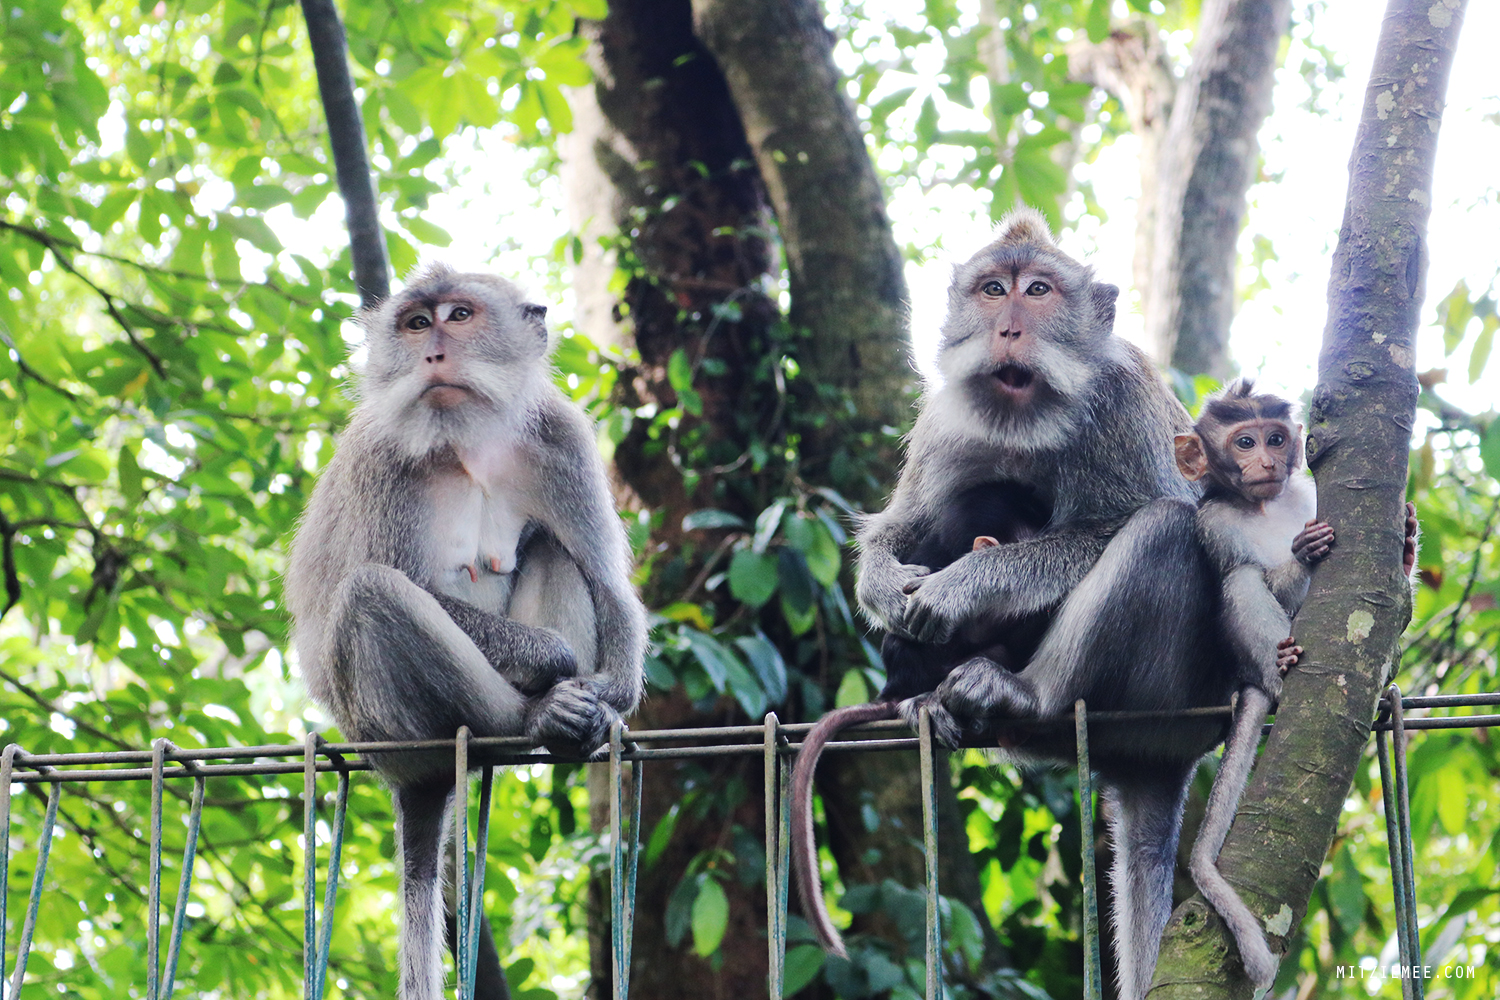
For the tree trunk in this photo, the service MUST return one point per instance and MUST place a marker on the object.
(1360, 436)
(660, 156)
(1207, 159)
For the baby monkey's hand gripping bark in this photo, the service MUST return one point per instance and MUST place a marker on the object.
(461, 563)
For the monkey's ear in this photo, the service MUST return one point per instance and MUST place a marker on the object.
(1191, 461)
(1102, 298)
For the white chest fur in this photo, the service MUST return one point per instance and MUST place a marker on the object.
(478, 514)
(1270, 533)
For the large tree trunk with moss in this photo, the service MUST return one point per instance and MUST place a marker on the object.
(1358, 442)
(711, 128)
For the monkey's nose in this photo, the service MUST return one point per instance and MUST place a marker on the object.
(434, 358)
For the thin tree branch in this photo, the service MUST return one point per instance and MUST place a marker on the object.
(346, 136)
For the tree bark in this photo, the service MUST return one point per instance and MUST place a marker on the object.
(1360, 437)
(845, 272)
(1208, 158)
(346, 137)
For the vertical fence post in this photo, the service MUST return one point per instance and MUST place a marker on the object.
(184, 887)
(775, 914)
(7, 766)
(623, 863)
(476, 889)
(1092, 988)
(43, 850)
(929, 852)
(159, 750)
(1403, 837)
(1405, 905)
(309, 861)
(461, 855)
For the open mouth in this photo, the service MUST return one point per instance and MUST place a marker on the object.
(1013, 378)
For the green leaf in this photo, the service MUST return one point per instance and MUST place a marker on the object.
(1489, 449)
(425, 231)
(767, 523)
(1483, 344)
(802, 964)
(1346, 891)
(680, 908)
(130, 474)
(765, 659)
(852, 690)
(1098, 21)
(811, 538)
(752, 576)
(797, 586)
(701, 520)
(710, 917)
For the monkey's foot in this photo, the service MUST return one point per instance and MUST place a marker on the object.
(974, 697)
(570, 717)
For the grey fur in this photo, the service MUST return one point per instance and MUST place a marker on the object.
(1252, 543)
(1118, 567)
(461, 563)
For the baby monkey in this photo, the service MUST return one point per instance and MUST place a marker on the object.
(1257, 522)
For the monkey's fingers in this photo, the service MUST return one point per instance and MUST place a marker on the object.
(1287, 654)
(1409, 546)
(473, 571)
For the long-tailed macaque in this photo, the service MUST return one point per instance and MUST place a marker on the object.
(1039, 397)
(461, 563)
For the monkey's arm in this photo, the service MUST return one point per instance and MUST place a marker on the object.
(882, 581)
(1002, 582)
(579, 512)
(1255, 622)
(533, 659)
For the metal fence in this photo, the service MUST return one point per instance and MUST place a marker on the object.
(627, 752)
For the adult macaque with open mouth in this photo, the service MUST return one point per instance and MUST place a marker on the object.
(1109, 597)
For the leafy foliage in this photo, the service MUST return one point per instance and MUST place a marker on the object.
(174, 375)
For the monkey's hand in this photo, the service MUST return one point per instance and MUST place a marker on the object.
(1312, 543)
(1409, 548)
(882, 588)
(571, 717)
(971, 700)
(940, 604)
(1287, 655)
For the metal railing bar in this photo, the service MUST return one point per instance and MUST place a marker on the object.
(331, 887)
(476, 888)
(43, 850)
(461, 857)
(929, 856)
(1446, 722)
(1092, 982)
(153, 890)
(309, 864)
(1403, 825)
(1449, 700)
(184, 888)
(7, 764)
(775, 918)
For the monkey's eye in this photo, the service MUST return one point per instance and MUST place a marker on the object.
(993, 289)
(1276, 440)
(460, 313)
(1244, 441)
(1038, 288)
(418, 321)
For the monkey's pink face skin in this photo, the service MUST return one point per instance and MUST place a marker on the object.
(437, 333)
(1266, 453)
(1014, 306)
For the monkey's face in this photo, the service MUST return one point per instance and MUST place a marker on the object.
(1023, 331)
(1257, 457)
(450, 354)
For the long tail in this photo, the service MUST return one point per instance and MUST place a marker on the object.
(1234, 772)
(421, 831)
(804, 845)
